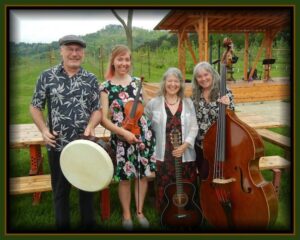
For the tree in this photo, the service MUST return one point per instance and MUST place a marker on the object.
(127, 27)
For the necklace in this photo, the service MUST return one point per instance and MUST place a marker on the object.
(171, 104)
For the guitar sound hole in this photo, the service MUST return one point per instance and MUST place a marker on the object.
(180, 200)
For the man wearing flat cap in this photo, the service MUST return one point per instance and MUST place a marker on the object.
(75, 110)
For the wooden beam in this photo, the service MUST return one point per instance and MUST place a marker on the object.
(191, 50)
(263, 44)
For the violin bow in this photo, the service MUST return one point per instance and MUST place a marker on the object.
(138, 148)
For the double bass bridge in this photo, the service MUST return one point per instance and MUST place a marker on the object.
(222, 181)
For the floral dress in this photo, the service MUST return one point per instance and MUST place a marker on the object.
(166, 170)
(207, 113)
(131, 159)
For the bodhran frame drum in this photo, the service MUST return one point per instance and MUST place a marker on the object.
(86, 165)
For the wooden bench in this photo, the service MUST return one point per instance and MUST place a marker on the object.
(277, 139)
(42, 183)
(275, 164)
(30, 184)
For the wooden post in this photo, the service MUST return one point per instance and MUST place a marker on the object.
(200, 38)
(267, 54)
(101, 68)
(205, 27)
(246, 56)
(141, 57)
(149, 71)
(210, 49)
(36, 168)
(219, 55)
(202, 30)
(51, 57)
(105, 204)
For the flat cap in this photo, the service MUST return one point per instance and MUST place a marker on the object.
(72, 39)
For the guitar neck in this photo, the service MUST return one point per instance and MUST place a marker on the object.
(178, 174)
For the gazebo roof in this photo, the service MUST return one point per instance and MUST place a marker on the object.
(228, 19)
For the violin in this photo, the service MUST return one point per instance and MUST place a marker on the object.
(133, 111)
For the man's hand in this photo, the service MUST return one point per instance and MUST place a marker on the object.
(49, 138)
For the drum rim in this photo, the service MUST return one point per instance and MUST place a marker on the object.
(96, 147)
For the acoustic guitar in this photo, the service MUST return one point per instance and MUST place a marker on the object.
(181, 209)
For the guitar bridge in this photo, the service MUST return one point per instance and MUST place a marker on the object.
(181, 216)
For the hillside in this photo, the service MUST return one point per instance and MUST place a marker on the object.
(107, 38)
(153, 52)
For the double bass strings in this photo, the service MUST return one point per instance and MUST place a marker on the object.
(220, 140)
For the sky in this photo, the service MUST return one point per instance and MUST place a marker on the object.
(46, 26)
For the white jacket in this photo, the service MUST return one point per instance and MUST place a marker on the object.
(155, 110)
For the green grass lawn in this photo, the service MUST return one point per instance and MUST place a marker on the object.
(26, 217)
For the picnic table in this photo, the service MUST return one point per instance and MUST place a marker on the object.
(28, 136)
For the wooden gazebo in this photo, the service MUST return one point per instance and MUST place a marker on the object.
(206, 20)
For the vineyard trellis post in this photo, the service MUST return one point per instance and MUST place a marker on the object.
(101, 66)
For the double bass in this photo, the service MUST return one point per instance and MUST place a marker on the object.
(235, 195)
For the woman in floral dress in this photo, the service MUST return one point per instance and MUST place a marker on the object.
(134, 154)
(206, 96)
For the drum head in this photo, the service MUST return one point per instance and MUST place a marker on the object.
(86, 165)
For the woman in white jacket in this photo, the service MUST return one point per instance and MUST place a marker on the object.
(168, 111)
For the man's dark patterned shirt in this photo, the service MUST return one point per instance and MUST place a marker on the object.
(73, 99)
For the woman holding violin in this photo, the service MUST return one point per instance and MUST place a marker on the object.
(131, 136)
(206, 95)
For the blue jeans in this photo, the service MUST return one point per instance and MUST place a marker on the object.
(61, 192)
